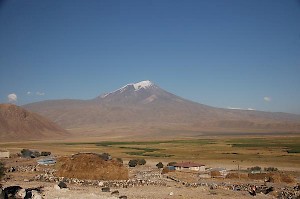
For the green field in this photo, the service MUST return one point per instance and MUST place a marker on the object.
(265, 150)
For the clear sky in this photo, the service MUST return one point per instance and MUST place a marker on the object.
(230, 53)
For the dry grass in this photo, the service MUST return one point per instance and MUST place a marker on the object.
(90, 166)
(275, 177)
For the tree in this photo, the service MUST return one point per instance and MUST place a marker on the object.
(132, 163)
(141, 161)
(45, 153)
(160, 165)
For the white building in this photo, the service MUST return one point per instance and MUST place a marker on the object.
(4, 154)
(189, 166)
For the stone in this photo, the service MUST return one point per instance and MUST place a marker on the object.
(101, 184)
(36, 195)
(12, 190)
(62, 185)
(123, 197)
(115, 193)
(21, 193)
(2, 194)
(171, 193)
(105, 189)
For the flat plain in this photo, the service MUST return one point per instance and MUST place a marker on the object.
(243, 151)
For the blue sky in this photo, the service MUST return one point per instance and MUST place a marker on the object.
(231, 53)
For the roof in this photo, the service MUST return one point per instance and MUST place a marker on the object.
(188, 164)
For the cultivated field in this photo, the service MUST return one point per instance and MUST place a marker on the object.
(223, 151)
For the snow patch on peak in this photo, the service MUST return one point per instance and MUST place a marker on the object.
(142, 84)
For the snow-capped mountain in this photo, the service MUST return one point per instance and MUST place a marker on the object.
(143, 92)
(145, 104)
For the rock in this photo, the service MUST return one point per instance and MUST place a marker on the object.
(36, 195)
(2, 194)
(21, 193)
(123, 197)
(12, 169)
(115, 193)
(12, 190)
(105, 189)
(101, 184)
(26, 180)
(62, 185)
(171, 193)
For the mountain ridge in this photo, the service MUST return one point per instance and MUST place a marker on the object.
(146, 104)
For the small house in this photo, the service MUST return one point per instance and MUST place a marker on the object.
(189, 166)
(4, 154)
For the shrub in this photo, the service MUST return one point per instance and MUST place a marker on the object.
(2, 170)
(256, 168)
(160, 165)
(141, 161)
(132, 163)
(270, 169)
(26, 153)
(45, 153)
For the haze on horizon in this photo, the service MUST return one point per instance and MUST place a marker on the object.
(228, 54)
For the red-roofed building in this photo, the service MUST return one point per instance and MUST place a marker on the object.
(189, 165)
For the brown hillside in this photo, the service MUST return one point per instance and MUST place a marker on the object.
(17, 123)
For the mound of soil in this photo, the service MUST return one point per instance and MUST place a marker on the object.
(91, 167)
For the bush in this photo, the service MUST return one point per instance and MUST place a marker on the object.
(45, 153)
(256, 168)
(26, 153)
(171, 163)
(160, 165)
(2, 170)
(141, 161)
(132, 163)
(270, 169)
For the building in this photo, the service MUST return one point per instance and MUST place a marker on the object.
(218, 172)
(4, 154)
(189, 166)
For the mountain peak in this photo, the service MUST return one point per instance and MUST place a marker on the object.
(143, 84)
(132, 86)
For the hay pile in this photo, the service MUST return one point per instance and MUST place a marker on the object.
(90, 167)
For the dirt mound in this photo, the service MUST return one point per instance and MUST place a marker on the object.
(92, 167)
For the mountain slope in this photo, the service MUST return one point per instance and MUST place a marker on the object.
(144, 104)
(17, 123)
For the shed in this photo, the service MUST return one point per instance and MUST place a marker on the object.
(4, 154)
(190, 166)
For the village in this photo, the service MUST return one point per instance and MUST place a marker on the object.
(34, 174)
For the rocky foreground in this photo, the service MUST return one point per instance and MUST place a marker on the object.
(26, 179)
